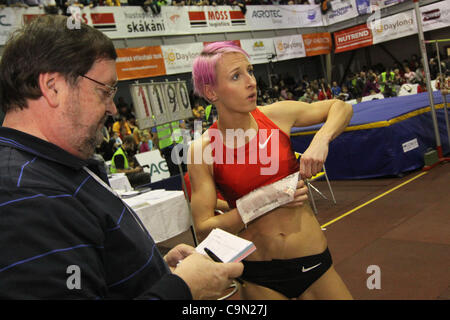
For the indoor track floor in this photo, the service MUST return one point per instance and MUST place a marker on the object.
(399, 224)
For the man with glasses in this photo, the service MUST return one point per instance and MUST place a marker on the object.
(64, 233)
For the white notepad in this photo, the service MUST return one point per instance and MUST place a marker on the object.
(226, 246)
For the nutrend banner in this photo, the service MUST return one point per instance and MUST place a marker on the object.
(353, 38)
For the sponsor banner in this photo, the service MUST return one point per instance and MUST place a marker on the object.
(212, 19)
(317, 43)
(353, 38)
(179, 58)
(368, 6)
(259, 50)
(341, 10)
(236, 42)
(363, 6)
(136, 63)
(283, 17)
(394, 27)
(289, 47)
(10, 20)
(380, 4)
(436, 15)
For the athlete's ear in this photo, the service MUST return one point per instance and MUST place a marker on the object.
(210, 93)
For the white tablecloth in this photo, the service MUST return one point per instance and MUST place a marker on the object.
(165, 214)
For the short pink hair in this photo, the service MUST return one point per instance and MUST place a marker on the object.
(204, 67)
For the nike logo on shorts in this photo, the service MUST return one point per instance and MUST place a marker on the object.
(310, 268)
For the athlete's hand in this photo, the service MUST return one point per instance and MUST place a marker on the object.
(300, 196)
(312, 160)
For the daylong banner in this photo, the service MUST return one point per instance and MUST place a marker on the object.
(289, 47)
(179, 58)
(393, 27)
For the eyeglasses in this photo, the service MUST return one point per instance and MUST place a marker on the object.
(110, 91)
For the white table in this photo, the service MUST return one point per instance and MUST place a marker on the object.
(165, 214)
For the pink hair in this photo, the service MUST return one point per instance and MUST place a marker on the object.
(204, 67)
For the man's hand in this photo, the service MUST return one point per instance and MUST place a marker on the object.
(300, 196)
(207, 279)
(178, 253)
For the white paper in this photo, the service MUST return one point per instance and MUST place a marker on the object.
(226, 246)
(267, 198)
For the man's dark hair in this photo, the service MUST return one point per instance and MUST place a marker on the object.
(48, 44)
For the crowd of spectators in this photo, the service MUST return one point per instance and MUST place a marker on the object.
(369, 81)
(121, 126)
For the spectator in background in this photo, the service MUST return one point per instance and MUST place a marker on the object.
(372, 87)
(409, 76)
(124, 108)
(422, 87)
(324, 91)
(121, 127)
(122, 162)
(198, 111)
(335, 89)
(345, 95)
(146, 142)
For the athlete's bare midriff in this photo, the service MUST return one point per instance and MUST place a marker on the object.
(285, 233)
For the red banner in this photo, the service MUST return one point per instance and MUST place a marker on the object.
(143, 62)
(317, 43)
(353, 38)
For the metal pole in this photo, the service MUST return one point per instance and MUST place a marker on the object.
(444, 98)
(427, 74)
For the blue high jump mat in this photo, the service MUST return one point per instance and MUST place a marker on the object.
(384, 138)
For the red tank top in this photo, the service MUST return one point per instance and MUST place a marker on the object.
(266, 158)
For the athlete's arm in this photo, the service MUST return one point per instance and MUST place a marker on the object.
(204, 198)
(335, 113)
